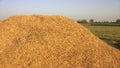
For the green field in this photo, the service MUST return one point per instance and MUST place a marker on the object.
(110, 34)
(96, 24)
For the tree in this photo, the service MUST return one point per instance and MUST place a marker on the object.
(118, 21)
(91, 21)
(82, 21)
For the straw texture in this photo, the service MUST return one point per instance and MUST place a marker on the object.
(38, 41)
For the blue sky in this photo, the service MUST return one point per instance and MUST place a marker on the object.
(99, 10)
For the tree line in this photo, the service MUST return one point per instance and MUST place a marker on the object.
(84, 21)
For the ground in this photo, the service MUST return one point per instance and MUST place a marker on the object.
(110, 34)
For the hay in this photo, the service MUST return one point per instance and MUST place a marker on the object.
(37, 41)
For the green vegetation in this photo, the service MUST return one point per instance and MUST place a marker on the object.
(96, 24)
(106, 32)
(110, 34)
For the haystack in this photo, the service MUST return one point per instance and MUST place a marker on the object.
(37, 41)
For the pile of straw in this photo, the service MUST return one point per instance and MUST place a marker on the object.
(37, 41)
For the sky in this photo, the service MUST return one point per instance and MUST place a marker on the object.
(99, 10)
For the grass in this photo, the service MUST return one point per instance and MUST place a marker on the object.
(110, 34)
(96, 24)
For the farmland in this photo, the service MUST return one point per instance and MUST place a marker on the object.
(110, 34)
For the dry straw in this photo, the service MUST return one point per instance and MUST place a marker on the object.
(37, 41)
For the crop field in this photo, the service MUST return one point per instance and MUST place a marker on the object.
(110, 34)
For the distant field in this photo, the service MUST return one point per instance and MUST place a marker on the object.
(96, 24)
(106, 32)
(110, 34)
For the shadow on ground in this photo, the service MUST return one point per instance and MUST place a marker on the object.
(115, 44)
